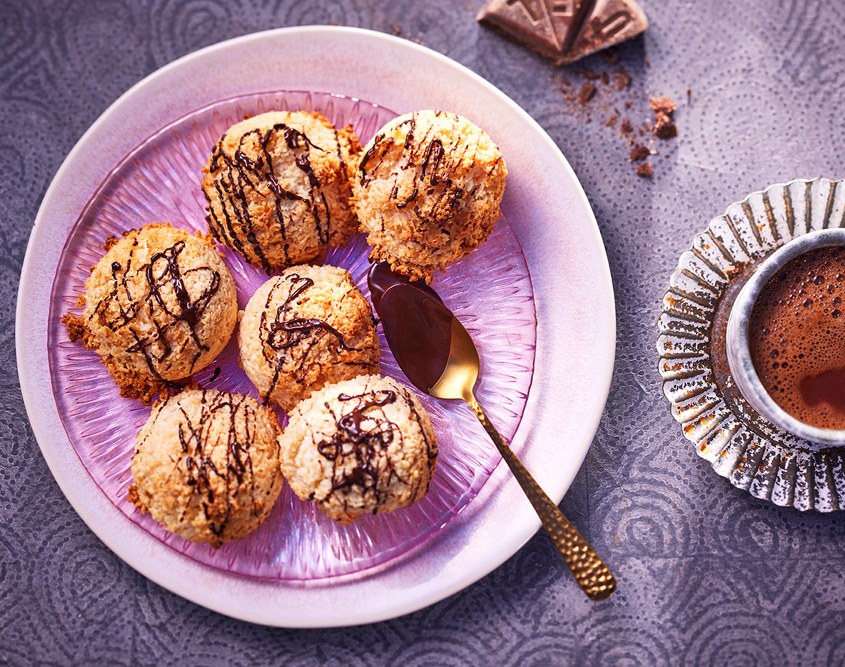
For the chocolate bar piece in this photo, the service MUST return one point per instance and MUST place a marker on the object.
(565, 30)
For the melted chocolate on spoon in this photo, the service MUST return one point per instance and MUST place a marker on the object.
(417, 325)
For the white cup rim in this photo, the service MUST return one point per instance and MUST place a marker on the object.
(737, 347)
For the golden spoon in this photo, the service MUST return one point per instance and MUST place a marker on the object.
(437, 354)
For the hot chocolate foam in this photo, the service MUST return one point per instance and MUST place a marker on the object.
(797, 337)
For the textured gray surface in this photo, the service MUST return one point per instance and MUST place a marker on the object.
(708, 575)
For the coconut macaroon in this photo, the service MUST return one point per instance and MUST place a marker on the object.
(277, 187)
(365, 445)
(303, 329)
(159, 306)
(206, 465)
(427, 191)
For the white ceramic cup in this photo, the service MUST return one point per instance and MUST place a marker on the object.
(739, 356)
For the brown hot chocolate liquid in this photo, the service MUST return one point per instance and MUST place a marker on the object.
(797, 337)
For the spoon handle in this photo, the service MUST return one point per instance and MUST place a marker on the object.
(590, 572)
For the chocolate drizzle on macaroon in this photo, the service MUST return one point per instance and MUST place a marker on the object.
(199, 465)
(163, 275)
(365, 445)
(357, 449)
(286, 333)
(259, 207)
(209, 439)
(308, 333)
(433, 169)
(361, 445)
(427, 191)
(147, 309)
(237, 176)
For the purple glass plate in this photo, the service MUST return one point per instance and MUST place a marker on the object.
(490, 292)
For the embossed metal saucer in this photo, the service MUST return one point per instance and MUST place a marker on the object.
(739, 443)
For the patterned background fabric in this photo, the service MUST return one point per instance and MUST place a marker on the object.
(708, 575)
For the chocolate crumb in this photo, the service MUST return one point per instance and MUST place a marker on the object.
(689, 95)
(588, 90)
(645, 170)
(397, 29)
(663, 104)
(610, 56)
(611, 122)
(621, 78)
(588, 74)
(664, 128)
(626, 126)
(568, 92)
(605, 79)
(639, 153)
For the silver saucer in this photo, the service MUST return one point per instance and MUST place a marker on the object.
(741, 445)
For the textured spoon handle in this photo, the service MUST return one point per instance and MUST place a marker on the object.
(589, 570)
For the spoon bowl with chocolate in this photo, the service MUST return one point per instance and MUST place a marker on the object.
(786, 338)
(439, 357)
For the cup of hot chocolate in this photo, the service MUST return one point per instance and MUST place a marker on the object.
(786, 338)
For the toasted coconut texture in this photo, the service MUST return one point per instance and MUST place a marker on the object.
(427, 191)
(206, 465)
(303, 329)
(277, 187)
(159, 306)
(361, 446)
